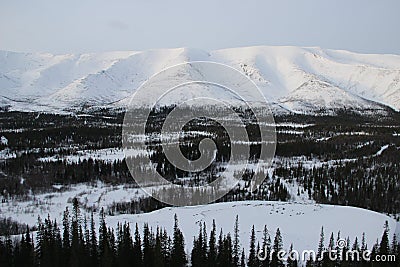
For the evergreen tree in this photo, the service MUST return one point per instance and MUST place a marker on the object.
(356, 245)
(148, 255)
(40, 242)
(178, 255)
(57, 244)
(363, 243)
(278, 246)
(66, 245)
(204, 246)
(137, 249)
(76, 245)
(331, 253)
(251, 262)
(212, 247)
(220, 253)
(124, 245)
(345, 259)
(266, 247)
(243, 259)
(27, 249)
(86, 242)
(93, 243)
(291, 260)
(339, 250)
(197, 257)
(226, 256)
(23, 254)
(258, 262)
(321, 245)
(112, 246)
(236, 243)
(384, 247)
(105, 250)
(166, 246)
(158, 254)
(394, 245)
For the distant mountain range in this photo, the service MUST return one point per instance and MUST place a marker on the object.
(295, 79)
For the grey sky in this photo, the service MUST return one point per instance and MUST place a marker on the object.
(368, 26)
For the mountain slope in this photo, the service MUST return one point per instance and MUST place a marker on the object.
(294, 78)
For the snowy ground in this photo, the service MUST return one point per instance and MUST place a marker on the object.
(107, 154)
(299, 223)
(54, 204)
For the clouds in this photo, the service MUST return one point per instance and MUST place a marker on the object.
(118, 25)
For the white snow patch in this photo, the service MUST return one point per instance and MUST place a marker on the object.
(4, 140)
(383, 148)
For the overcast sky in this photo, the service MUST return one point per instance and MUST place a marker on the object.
(368, 26)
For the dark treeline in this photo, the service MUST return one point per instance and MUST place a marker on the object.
(81, 243)
(272, 190)
(371, 183)
(40, 176)
(10, 227)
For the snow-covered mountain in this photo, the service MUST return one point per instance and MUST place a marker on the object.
(292, 78)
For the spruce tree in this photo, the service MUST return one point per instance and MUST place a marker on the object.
(196, 257)
(40, 242)
(158, 254)
(212, 247)
(57, 244)
(76, 246)
(93, 243)
(321, 245)
(137, 249)
(178, 255)
(384, 247)
(166, 245)
(204, 245)
(105, 250)
(66, 235)
(278, 246)
(112, 247)
(124, 245)
(251, 262)
(394, 245)
(228, 250)
(236, 243)
(243, 259)
(331, 253)
(27, 249)
(220, 249)
(148, 255)
(291, 259)
(258, 262)
(266, 247)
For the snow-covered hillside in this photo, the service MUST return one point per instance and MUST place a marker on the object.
(293, 78)
(299, 223)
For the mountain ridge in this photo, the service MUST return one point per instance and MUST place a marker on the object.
(299, 79)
